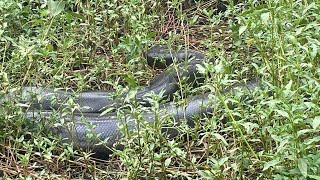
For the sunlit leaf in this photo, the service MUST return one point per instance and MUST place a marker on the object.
(167, 162)
(314, 177)
(218, 136)
(131, 95)
(303, 167)
(316, 122)
(131, 81)
(265, 17)
(201, 69)
(242, 29)
(269, 164)
(55, 7)
(206, 174)
(283, 113)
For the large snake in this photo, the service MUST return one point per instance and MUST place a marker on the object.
(106, 126)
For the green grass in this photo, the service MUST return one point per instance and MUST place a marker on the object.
(88, 45)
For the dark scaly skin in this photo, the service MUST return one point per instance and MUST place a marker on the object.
(107, 126)
(96, 101)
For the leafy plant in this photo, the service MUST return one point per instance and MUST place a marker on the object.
(271, 132)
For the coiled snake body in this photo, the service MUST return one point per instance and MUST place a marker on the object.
(107, 126)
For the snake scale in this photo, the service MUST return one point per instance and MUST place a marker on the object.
(106, 126)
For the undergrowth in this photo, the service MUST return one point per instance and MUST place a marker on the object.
(100, 45)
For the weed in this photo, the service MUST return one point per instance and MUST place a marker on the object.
(271, 133)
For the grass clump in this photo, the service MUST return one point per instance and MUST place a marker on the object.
(272, 134)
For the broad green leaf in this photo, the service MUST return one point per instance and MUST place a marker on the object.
(201, 69)
(70, 149)
(265, 17)
(314, 177)
(218, 136)
(249, 126)
(206, 174)
(132, 93)
(55, 7)
(316, 122)
(299, 30)
(242, 29)
(303, 167)
(151, 35)
(269, 164)
(314, 50)
(130, 79)
(313, 140)
(222, 161)
(305, 10)
(282, 145)
(219, 67)
(167, 162)
(309, 104)
(194, 19)
(288, 86)
(292, 38)
(283, 113)
(304, 132)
